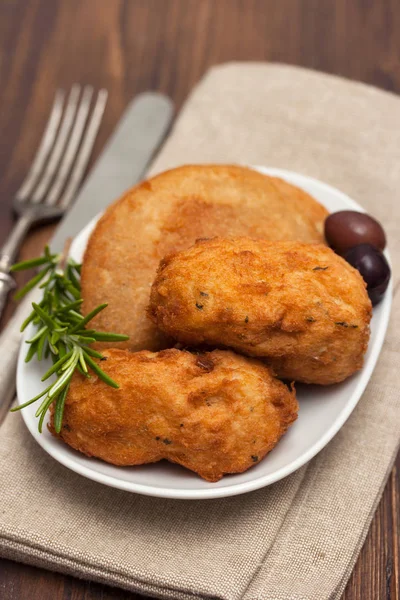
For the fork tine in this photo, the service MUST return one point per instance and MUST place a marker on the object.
(59, 144)
(85, 150)
(45, 146)
(73, 144)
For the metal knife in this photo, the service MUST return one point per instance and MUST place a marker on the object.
(122, 163)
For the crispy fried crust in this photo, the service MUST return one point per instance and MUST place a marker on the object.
(213, 413)
(167, 214)
(300, 306)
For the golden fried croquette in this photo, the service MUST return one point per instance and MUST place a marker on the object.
(213, 413)
(299, 305)
(168, 213)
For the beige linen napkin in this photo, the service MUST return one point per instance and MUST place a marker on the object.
(297, 539)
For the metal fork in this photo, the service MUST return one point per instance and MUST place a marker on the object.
(56, 171)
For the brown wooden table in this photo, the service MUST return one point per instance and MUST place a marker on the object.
(134, 45)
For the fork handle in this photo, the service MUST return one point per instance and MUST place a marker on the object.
(7, 283)
(14, 240)
(9, 252)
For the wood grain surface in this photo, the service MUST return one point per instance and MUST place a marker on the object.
(129, 46)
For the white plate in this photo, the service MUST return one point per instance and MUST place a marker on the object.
(323, 410)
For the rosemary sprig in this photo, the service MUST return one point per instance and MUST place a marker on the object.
(61, 331)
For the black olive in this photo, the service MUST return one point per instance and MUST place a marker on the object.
(348, 228)
(373, 267)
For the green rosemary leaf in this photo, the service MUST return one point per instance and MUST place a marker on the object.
(100, 373)
(109, 337)
(29, 264)
(92, 352)
(73, 359)
(27, 321)
(43, 413)
(75, 292)
(59, 410)
(31, 352)
(62, 329)
(85, 332)
(31, 284)
(82, 372)
(41, 345)
(45, 317)
(56, 296)
(74, 318)
(37, 335)
(84, 339)
(31, 401)
(72, 277)
(82, 361)
(57, 365)
(89, 317)
(53, 349)
(62, 381)
(62, 349)
(43, 285)
(71, 307)
(55, 336)
(44, 405)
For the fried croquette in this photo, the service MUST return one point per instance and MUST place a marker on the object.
(213, 413)
(168, 213)
(300, 306)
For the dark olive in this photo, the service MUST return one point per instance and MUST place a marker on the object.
(348, 228)
(373, 267)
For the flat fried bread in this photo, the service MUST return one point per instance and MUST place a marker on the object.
(167, 214)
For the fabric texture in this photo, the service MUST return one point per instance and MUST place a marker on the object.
(299, 538)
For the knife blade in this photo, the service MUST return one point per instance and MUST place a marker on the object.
(122, 163)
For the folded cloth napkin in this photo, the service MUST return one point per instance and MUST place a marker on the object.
(297, 539)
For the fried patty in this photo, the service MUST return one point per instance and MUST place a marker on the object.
(213, 413)
(300, 306)
(168, 213)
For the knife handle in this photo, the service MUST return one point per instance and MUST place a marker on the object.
(10, 339)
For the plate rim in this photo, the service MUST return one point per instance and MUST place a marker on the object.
(264, 480)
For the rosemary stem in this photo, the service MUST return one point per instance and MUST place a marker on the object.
(60, 331)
